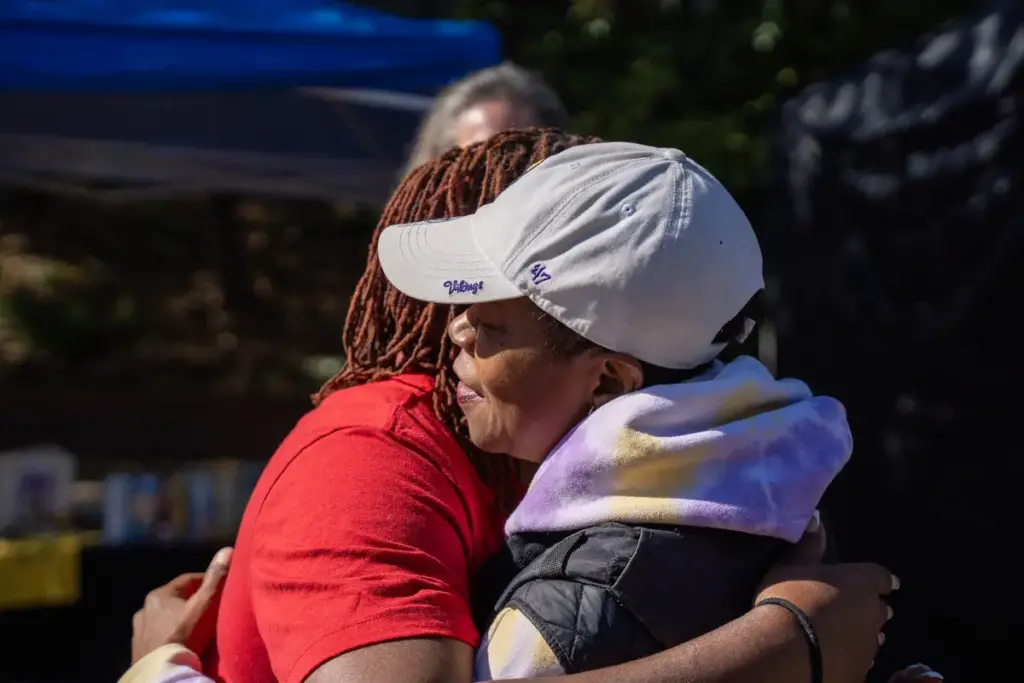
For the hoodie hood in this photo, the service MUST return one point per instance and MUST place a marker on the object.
(732, 449)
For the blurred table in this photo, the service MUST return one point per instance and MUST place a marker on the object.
(90, 641)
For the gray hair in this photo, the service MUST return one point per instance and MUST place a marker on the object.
(506, 82)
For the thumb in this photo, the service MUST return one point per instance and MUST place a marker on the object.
(198, 623)
(810, 549)
(213, 579)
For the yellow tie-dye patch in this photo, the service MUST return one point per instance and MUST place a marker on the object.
(514, 648)
(643, 468)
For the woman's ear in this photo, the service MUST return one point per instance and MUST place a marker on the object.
(620, 375)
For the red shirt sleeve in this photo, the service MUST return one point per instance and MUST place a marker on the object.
(361, 540)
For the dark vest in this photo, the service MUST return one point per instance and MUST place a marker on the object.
(614, 593)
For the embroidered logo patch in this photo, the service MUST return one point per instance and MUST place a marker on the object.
(462, 286)
(539, 274)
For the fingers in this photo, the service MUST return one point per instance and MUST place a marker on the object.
(209, 588)
(186, 585)
(880, 578)
(198, 623)
(214, 577)
(180, 587)
(814, 526)
(810, 549)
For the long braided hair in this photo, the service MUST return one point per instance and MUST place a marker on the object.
(388, 334)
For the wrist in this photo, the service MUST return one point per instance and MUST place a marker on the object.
(801, 629)
(782, 627)
(763, 645)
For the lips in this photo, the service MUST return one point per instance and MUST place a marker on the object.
(465, 394)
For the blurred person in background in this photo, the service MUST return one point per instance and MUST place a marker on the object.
(482, 104)
(371, 526)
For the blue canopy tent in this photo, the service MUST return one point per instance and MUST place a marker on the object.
(143, 98)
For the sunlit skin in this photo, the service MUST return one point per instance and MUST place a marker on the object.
(490, 117)
(518, 396)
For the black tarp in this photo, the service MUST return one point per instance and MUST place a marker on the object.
(301, 143)
(897, 243)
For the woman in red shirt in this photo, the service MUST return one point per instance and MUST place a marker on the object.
(356, 552)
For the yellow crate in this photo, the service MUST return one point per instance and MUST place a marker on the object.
(40, 572)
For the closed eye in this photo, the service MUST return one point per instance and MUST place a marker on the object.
(489, 328)
(479, 324)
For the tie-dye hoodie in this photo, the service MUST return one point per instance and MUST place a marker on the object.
(733, 449)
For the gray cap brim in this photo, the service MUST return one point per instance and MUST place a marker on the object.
(440, 262)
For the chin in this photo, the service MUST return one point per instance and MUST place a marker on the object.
(484, 440)
(498, 445)
(484, 435)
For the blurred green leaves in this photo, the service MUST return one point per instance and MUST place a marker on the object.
(68, 312)
(701, 75)
(765, 36)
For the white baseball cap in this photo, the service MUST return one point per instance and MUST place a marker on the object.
(638, 249)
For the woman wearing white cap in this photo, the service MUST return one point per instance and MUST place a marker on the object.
(602, 287)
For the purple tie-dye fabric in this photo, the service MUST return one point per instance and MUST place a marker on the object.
(732, 449)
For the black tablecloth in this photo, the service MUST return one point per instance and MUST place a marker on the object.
(90, 641)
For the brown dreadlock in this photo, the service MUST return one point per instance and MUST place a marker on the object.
(387, 334)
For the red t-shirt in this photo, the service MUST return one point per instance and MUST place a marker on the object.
(365, 527)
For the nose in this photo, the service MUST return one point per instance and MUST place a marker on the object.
(462, 333)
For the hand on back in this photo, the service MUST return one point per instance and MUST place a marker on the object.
(844, 602)
(182, 612)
